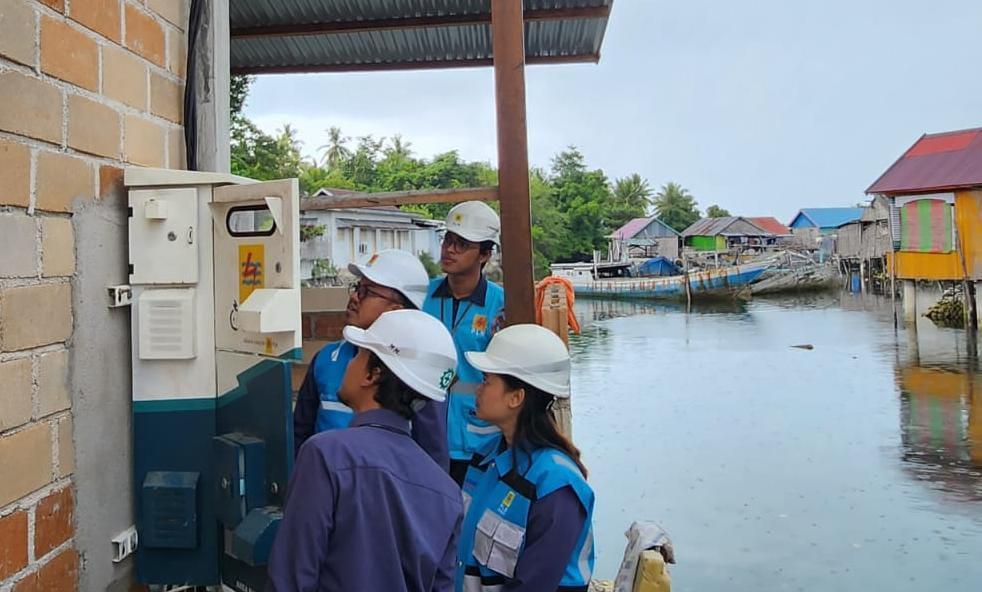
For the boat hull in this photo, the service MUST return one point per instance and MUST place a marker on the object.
(810, 279)
(726, 282)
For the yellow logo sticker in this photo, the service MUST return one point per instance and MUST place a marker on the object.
(252, 264)
(479, 324)
(372, 261)
(509, 498)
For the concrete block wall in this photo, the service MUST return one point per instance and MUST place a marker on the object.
(86, 88)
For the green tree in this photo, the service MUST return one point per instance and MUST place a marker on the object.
(360, 166)
(584, 198)
(549, 238)
(432, 267)
(630, 199)
(574, 207)
(398, 149)
(675, 206)
(715, 211)
(313, 178)
(238, 93)
(336, 150)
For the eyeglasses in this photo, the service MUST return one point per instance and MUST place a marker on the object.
(457, 242)
(364, 291)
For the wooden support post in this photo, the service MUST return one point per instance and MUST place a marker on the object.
(555, 317)
(508, 42)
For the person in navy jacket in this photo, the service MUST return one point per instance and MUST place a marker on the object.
(366, 508)
(390, 280)
(528, 508)
(471, 308)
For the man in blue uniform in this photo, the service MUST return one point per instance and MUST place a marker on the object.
(471, 308)
(390, 280)
(366, 508)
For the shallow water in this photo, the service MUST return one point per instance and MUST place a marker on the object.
(856, 465)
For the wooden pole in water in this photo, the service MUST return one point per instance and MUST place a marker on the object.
(972, 322)
(508, 43)
(688, 290)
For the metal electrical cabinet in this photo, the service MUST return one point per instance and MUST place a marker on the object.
(215, 285)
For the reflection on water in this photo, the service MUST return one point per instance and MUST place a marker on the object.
(856, 465)
(941, 427)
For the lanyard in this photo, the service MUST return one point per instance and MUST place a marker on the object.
(457, 320)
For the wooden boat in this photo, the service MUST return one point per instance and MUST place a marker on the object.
(810, 278)
(711, 283)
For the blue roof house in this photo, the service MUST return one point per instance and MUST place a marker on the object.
(824, 220)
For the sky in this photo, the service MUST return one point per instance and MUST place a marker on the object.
(761, 107)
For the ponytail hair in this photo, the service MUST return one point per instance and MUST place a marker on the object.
(536, 426)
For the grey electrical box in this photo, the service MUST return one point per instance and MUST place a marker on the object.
(163, 228)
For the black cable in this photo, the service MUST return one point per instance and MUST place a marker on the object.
(190, 85)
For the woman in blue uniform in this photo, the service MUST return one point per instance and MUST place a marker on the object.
(527, 506)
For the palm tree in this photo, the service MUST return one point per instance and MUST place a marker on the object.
(288, 138)
(633, 191)
(715, 211)
(335, 150)
(675, 206)
(398, 148)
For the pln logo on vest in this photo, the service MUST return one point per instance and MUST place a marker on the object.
(506, 502)
(479, 325)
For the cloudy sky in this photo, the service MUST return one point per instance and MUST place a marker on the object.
(762, 107)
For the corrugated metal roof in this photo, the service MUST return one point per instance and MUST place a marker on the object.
(770, 224)
(311, 35)
(936, 162)
(825, 217)
(716, 226)
(248, 13)
(631, 228)
(635, 226)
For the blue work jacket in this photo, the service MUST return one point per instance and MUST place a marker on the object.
(471, 321)
(502, 523)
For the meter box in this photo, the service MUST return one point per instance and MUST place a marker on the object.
(163, 228)
(215, 292)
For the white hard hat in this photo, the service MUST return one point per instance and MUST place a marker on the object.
(396, 269)
(475, 221)
(530, 353)
(415, 346)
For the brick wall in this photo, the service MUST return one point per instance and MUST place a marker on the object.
(86, 87)
(319, 328)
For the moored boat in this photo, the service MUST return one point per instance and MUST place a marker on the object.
(810, 278)
(728, 281)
